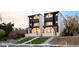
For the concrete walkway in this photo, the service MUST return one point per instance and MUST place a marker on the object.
(30, 40)
(47, 42)
(21, 39)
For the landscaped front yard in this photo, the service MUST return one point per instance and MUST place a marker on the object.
(38, 40)
(24, 40)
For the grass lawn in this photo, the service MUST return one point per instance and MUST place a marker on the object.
(24, 40)
(38, 40)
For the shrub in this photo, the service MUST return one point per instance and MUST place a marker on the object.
(12, 35)
(7, 27)
(2, 33)
(16, 34)
(71, 26)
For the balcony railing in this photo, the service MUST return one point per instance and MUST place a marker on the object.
(48, 26)
(48, 19)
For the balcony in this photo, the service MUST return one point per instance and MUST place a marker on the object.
(35, 20)
(48, 26)
(48, 19)
(34, 26)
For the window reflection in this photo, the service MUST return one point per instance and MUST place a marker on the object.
(36, 17)
(36, 24)
(48, 23)
(49, 15)
(48, 30)
(36, 30)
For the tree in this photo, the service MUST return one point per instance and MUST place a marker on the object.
(7, 27)
(71, 26)
(2, 33)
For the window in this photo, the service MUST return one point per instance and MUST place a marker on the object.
(56, 18)
(36, 24)
(36, 30)
(36, 17)
(56, 21)
(49, 15)
(48, 30)
(56, 14)
(30, 24)
(48, 23)
(30, 17)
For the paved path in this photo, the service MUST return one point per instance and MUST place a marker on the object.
(47, 42)
(30, 40)
(21, 39)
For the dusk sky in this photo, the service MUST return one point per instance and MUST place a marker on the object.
(19, 18)
(69, 13)
(16, 11)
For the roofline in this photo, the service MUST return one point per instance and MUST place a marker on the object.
(35, 14)
(63, 16)
(52, 12)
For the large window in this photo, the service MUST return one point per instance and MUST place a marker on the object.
(36, 17)
(36, 30)
(48, 23)
(30, 17)
(49, 15)
(48, 30)
(36, 24)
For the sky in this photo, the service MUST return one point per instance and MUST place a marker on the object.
(16, 11)
(20, 18)
(70, 13)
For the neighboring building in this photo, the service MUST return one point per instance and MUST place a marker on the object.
(53, 23)
(48, 25)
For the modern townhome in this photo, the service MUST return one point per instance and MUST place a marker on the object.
(48, 25)
(35, 25)
(53, 23)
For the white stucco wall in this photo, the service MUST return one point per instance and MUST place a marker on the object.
(60, 23)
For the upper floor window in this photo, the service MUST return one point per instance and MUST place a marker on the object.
(56, 14)
(30, 17)
(56, 17)
(48, 23)
(36, 17)
(49, 15)
(56, 21)
(36, 24)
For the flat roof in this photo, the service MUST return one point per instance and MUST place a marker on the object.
(34, 15)
(52, 12)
